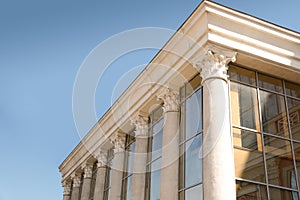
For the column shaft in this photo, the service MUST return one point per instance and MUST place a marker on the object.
(75, 193)
(100, 181)
(218, 157)
(139, 169)
(170, 155)
(86, 188)
(170, 148)
(116, 177)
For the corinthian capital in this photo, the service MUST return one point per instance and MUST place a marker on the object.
(76, 180)
(141, 125)
(170, 98)
(119, 142)
(214, 65)
(88, 170)
(67, 187)
(101, 156)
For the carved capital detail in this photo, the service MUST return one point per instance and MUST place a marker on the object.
(102, 158)
(170, 98)
(141, 125)
(67, 187)
(214, 65)
(76, 180)
(88, 170)
(119, 142)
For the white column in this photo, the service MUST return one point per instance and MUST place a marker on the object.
(76, 186)
(67, 190)
(170, 145)
(218, 158)
(87, 181)
(100, 178)
(140, 158)
(117, 167)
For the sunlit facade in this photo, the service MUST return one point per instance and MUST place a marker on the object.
(215, 115)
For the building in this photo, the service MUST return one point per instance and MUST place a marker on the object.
(220, 119)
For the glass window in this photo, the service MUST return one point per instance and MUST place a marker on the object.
(245, 191)
(193, 119)
(244, 106)
(249, 162)
(194, 193)
(193, 161)
(292, 89)
(294, 117)
(279, 161)
(107, 184)
(154, 159)
(128, 167)
(273, 112)
(242, 75)
(270, 83)
(190, 170)
(280, 194)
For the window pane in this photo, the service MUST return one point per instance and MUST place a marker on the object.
(279, 161)
(292, 89)
(193, 161)
(248, 156)
(270, 83)
(250, 191)
(194, 193)
(279, 194)
(157, 139)
(128, 188)
(294, 117)
(192, 85)
(273, 114)
(193, 117)
(155, 185)
(242, 75)
(130, 157)
(244, 106)
(297, 157)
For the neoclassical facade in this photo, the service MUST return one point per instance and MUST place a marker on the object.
(215, 115)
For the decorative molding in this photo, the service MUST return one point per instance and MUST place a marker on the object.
(141, 125)
(214, 65)
(67, 188)
(170, 98)
(76, 180)
(88, 170)
(102, 158)
(118, 140)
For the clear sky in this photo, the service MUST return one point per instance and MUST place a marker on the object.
(42, 45)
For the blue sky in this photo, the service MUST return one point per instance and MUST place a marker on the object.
(43, 44)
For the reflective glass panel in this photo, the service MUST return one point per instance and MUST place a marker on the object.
(128, 188)
(193, 113)
(193, 161)
(250, 191)
(130, 157)
(273, 112)
(279, 194)
(157, 139)
(244, 106)
(155, 185)
(292, 89)
(279, 161)
(294, 117)
(270, 83)
(242, 75)
(192, 85)
(194, 193)
(248, 156)
(297, 157)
